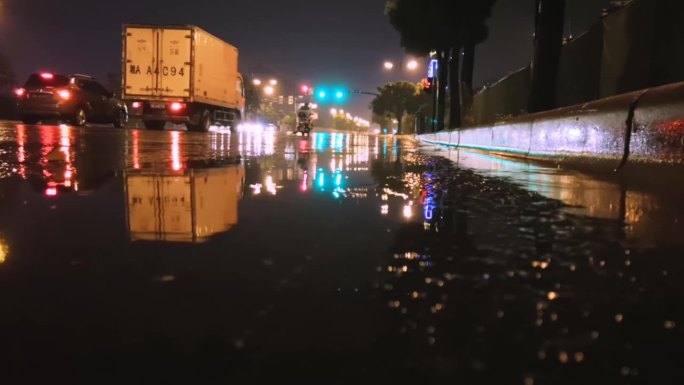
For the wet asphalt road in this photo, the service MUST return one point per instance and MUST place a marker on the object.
(163, 257)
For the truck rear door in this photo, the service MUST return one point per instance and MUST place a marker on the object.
(174, 65)
(157, 62)
(140, 74)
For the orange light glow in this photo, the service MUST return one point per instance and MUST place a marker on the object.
(305, 182)
(21, 150)
(64, 94)
(136, 150)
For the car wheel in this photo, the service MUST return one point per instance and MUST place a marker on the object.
(155, 125)
(204, 123)
(79, 119)
(29, 119)
(120, 119)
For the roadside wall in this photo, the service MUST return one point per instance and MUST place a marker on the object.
(637, 47)
(595, 132)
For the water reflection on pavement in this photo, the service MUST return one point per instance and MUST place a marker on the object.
(340, 258)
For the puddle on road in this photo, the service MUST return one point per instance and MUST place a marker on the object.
(650, 218)
(256, 257)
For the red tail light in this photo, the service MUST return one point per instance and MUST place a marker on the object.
(136, 105)
(64, 94)
(20, 92)
(175, 106)
(51, 191)
(47, 76)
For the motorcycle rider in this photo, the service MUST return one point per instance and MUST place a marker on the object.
(305, 122)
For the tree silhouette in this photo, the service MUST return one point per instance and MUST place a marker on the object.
(396, 99)
(449, 28)
(549, 25)
(420, 36)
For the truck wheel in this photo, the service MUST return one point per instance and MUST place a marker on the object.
(204, 123)
(155, 125)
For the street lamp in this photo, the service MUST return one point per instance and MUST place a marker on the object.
(269, 90)
(273, 82)
(389, 65)
(257, 82)
(412, 65)
(333, 111)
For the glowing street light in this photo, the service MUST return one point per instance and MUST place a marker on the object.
(333, 111)
(389, 65)
(412, 65)
(273, 82)
(269, 90)
(257, 82)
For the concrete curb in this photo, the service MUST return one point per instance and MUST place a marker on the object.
(644, 127)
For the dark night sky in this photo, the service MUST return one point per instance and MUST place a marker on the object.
(313, 41)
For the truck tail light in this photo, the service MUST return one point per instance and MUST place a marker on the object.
(20, 92)
(176, 107)
(136, 105)
(64, 94)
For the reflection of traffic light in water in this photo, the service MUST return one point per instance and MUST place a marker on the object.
(333, 181)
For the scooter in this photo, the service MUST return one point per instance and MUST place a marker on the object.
(304, 123)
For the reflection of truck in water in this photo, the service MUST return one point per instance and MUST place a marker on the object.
(183, 208)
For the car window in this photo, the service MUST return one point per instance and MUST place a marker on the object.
(92, 86)
(47, 80)
(99, 88)
(82, 83)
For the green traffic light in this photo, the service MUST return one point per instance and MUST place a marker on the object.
(325, 94)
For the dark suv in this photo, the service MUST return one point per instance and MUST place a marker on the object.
(77, 99)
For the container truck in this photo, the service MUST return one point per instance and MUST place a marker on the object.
(181, 74)
(187, 207)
